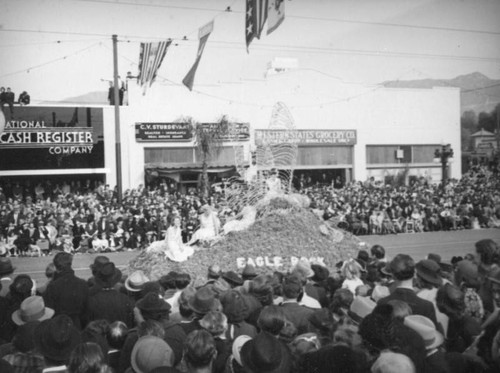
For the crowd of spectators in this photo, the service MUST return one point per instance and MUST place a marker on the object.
(368, 314)
(86, 216)
(472, 202)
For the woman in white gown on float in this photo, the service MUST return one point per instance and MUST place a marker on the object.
(209, 226)
(175, 249)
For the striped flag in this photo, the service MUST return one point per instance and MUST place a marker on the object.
(203, 34)
(150, 59)
(255, 18)
(276, 11)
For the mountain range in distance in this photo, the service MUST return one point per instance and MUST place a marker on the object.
(478, 92)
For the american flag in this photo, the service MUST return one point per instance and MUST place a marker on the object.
(150, 59)
(255, 18)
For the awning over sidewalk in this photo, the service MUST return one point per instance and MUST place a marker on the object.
(169, 169)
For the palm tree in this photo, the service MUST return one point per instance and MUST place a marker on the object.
(209, 141)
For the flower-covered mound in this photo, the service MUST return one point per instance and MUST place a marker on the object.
(272, 243)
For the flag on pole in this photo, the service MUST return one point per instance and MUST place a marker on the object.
(150, 59)
(255, 18)
(276, 11)
(203, 34)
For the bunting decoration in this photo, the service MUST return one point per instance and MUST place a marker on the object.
(276, 12)
(150, 59)
(255, 18)
(203, 34)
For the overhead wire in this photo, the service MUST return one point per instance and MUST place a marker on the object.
(311, 18)
(28, 69)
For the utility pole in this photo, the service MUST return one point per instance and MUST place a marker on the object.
(118, 147)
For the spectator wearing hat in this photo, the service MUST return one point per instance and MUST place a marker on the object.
(55, 339)
(135, 283)
(200, 352)
(236, 309)
(428, 281)
(294, 312)
(265, 354)
(232, 278)
(436, 360)
(107, 303)
(317, 285)
(24, 358)
(234, 364)
(214, 272)
(151, 352)
(467, 279)
(67, 294)
(153, 307)
(202, 302)
(380, 331)
(99, 260)
(32, 309)
(249, 272)
(402, 268)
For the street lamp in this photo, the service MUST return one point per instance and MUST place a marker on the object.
(443, 155)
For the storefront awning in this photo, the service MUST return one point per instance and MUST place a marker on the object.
(164, 169)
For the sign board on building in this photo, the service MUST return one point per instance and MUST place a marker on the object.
(240, 131)
(306, 137)
(162, 132)
(52, 138)
(176, 132)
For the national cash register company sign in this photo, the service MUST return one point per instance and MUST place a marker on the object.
(52, 137)
(305, 137)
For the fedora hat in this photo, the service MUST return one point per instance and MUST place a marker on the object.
(107, 275)
(429, 270)
(152, 302)
(135, 282)
(238, 344)
(56, 338)
(235, 307)
(232, 278)
(99, 260)
(203, 301)
(427, 330)
(265, 354)
(6, 267)
(303, 268)
(32, 309)
(249, 272)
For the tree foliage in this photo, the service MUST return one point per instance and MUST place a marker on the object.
(209, 142)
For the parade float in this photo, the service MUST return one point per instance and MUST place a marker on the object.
(273, 227)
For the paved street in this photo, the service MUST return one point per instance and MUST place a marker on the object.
(418, 245)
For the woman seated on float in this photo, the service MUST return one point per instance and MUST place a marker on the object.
(209, 226)
(175, 248)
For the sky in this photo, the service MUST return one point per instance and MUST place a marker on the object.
(56, 49)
